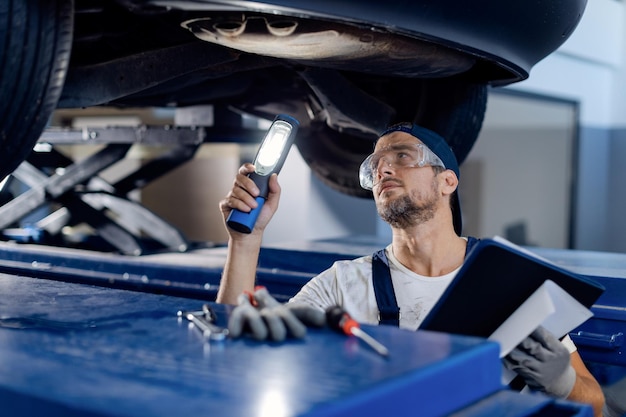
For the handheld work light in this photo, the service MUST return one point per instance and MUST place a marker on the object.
(269, 159)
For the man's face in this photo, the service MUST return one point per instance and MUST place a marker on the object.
(405, 196)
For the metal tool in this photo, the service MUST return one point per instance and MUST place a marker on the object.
(204, 321)
(340, 320)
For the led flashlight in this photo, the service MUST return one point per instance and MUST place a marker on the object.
(269, 159)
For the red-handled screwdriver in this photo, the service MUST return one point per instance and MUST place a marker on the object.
(341, 321)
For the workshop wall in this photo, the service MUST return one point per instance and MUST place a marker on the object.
(615, 189)
(516, 181)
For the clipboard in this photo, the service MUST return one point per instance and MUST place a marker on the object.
(495, 279)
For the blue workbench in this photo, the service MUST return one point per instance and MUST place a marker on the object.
(69, 349)
(285, 268)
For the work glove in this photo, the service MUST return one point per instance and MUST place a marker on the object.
(265, 318)
(544, 364)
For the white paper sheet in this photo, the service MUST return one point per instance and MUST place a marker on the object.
(551, 307)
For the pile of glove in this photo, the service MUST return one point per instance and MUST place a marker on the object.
(264, 318)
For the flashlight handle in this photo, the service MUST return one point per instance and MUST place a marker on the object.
(244, 222)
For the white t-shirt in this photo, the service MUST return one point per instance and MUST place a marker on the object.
(349, 284)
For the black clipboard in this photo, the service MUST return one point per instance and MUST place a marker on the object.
(495, 279)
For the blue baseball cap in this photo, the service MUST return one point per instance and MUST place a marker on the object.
(438, 145)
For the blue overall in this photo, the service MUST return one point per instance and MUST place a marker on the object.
(389, 312)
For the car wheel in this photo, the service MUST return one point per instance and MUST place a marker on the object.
(452, 107)
(35, 43)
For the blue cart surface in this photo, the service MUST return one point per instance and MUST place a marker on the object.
(72, 349)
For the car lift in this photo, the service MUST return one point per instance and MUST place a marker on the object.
(85, 197)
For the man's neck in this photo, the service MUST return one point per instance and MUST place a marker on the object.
(429, 252)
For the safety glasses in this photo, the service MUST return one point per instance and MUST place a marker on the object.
(396, 156)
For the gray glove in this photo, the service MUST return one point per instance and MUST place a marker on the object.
(266, 318)
(544, 364)
(246, 317)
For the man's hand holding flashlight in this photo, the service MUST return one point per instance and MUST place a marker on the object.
(240, 269)
(243, 198)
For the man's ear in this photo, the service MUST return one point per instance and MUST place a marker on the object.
(450, 182)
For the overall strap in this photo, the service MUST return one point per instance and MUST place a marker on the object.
(471, 242)
(389, 312)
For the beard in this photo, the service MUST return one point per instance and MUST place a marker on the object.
(404, 212)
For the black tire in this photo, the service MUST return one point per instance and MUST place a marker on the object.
(35, 44)
(453, 107)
